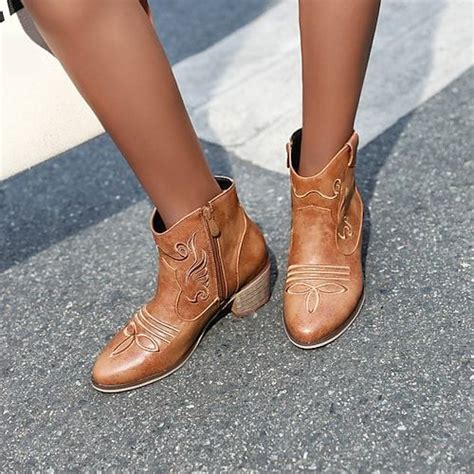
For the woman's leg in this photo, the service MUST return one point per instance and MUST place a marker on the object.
(336, 37)
(324, 288)
(114, 57)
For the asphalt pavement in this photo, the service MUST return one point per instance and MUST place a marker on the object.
(392, 394)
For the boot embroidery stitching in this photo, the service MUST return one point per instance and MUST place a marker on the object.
(336, 187)
(197, 273)
(346, 228)
(147, 332)
(194, 282)
(239, 251)
(311, 281)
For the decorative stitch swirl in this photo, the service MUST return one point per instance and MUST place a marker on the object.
(195, 284)
(346, 229)
(146, 331)
(312, 292)
(300, 280)
(336, 187)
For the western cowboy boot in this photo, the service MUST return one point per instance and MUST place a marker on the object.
(324, 283)
(212, 259)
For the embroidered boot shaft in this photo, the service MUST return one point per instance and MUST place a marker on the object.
(324, 284)
(213, 258)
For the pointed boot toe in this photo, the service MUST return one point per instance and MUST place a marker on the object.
(311, 324)
(125, 360)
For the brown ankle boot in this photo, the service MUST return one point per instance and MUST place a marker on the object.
(212, 259)
(324, 284)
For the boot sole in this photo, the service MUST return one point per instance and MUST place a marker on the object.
(347, 324)
(246, 301)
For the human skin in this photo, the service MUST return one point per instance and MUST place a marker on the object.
(336, 39)
(111, 51)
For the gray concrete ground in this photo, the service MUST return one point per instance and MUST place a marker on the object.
(391, 395)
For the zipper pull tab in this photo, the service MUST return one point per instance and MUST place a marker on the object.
(213, 227)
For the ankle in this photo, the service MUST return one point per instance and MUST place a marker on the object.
(182, 204)
(317, 152)
(311, 163)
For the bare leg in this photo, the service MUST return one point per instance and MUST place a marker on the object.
(336, 38)
(114, 57)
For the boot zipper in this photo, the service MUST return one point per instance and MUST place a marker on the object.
(215, 232)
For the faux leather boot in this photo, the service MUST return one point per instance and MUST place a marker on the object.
(324, 284)
(213, 259)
